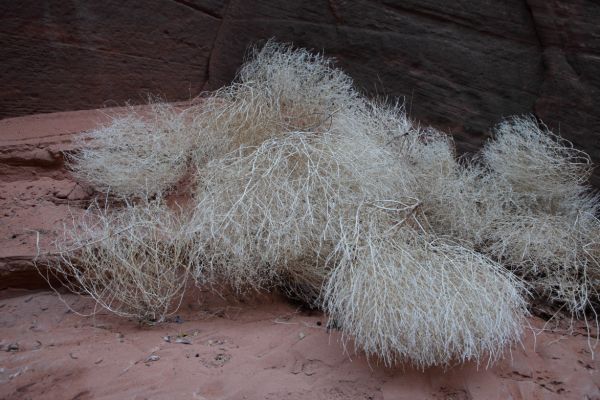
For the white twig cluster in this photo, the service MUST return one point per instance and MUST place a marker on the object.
(412, 297)
(547, 226)
(524, 202)
(137, 154)
(134, 262)
(302, 183)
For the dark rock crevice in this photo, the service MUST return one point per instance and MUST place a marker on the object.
(335, 12)
(199, 8)
(540, 44)
(537, 35)
(209, 62)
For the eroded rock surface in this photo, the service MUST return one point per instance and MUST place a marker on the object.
(37, 194)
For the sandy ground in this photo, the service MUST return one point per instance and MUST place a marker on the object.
(264, 348)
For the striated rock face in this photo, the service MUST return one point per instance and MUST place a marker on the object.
(460, 65)
(66, 55)
(37, 194)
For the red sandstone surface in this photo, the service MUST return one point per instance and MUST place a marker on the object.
(261, 348)
(36, 192)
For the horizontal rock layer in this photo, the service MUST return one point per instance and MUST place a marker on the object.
(37, 194)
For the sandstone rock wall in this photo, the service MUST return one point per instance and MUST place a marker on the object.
(37, 194)
(461, 65)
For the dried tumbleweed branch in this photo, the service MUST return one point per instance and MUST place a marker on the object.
(302, 183)
(133, 261)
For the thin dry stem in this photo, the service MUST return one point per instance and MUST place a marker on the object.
(134, 262)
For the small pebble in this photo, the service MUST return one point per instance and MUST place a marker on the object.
(12, 347)
(183, 341)
(301, 335)
(152, 357)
